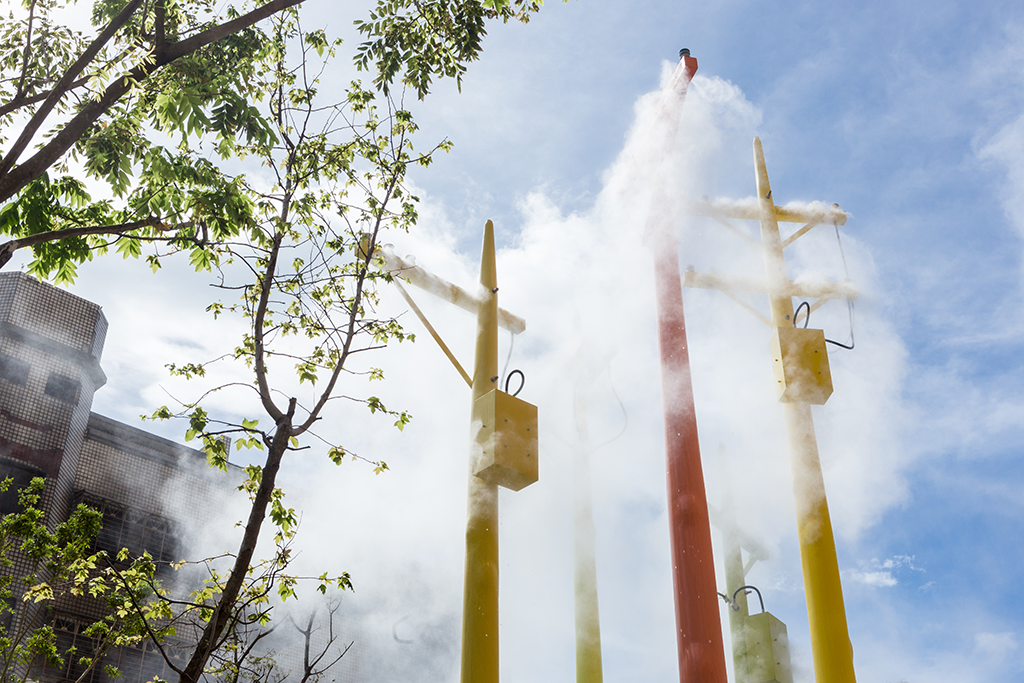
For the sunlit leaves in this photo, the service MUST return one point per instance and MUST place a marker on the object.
(252, 438)
(414, 41)
(59, 563)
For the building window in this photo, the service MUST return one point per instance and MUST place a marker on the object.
(62, 388)
(135, 530)
(13, 370)
(20, 476)
(141, 662)
(9, 605)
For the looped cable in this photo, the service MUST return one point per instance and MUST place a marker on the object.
(508, 359)
(522, 381)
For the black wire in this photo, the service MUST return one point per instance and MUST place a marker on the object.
(625, 422)
(522, 381)
(737, 592)
(849, 307)
(848, 347)
(797, 314)
(807, 321)
(841, 252)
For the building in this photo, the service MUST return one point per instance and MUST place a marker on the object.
(50, 347)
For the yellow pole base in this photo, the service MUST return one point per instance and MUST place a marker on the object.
(823, 590)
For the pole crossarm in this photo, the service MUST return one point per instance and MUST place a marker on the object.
(820, 289)
(723, 522)
(748, 209)
(736, 231)
(443, 289)
(433, 333)
(798, 234)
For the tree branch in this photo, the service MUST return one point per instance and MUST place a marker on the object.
(159, 30)
(20, 90)
(20, 101)
(353, 315)
(8, 248)
(32, 127)
(13, 179)
(153, 637)
(258, 333)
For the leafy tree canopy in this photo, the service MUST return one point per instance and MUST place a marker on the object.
(179, 71)
(137, 102)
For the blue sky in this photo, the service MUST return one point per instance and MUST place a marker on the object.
(911, 117)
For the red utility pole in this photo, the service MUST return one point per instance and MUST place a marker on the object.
(699, 627)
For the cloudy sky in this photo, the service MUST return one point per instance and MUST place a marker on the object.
(909, 117)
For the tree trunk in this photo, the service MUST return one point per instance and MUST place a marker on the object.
(224, 608)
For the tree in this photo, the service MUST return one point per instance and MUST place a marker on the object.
(57, 563)
(254, 653)
(300, 253)
(91, 99)
(306, 279)
(184, 69)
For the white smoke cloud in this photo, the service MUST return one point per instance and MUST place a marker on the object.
(584, 274)
(880, 573)
(587, 273)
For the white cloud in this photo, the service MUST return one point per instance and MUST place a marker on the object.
(898, 561)
(997, 645)
(880, 573)
(1006, 148)
(879, 579)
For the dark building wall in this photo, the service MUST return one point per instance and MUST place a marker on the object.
(150, 473)
(155, 494)
(50, 346)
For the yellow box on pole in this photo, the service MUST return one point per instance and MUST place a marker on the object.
(800, 362)
(509, 439)
(767, 654)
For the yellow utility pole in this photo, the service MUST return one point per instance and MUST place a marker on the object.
(503, 453)
(587, 615)
(480, 597)
(801, 368)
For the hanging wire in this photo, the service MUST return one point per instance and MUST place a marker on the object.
(849, 304)
(841, 253)
(849, 308)
(625, 416)
(511, 345)
(622, 407)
